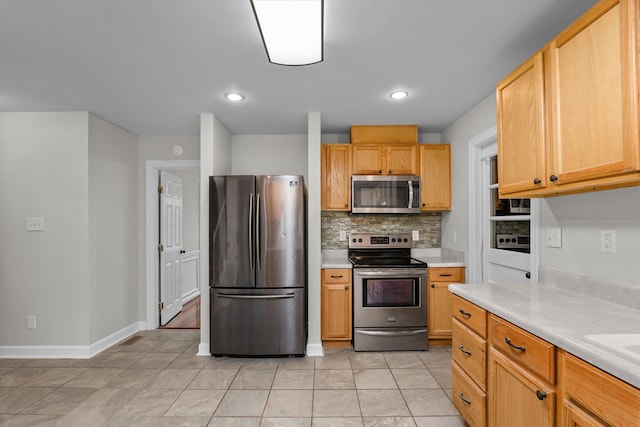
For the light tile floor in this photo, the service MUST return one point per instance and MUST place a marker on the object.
(155, 379)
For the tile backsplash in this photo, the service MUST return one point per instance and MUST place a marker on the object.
(428, 224)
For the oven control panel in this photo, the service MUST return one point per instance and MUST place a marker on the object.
(364, 240)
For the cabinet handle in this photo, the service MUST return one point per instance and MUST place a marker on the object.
(553, 178)
(424, 204)
(537, 181)
(465, 314)
(541, 395)
(379, 171)
(346, 206)
(461, 396)
(389, 171)
(433, 286)
(445, 274)
(528, 275)
(512, 345)
(465, 351)
(336, 276)
(346, 288)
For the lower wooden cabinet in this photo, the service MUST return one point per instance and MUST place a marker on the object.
(516, 397)
(440, 301)
(336, 317)
(468, 398)
(589, 397)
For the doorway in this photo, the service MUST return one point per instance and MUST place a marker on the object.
(491, 261)
(189, 262)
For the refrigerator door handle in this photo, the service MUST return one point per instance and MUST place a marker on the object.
(258, 245)
(249, 232)
(235, 296)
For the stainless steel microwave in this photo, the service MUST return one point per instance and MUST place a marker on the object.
(385, 194)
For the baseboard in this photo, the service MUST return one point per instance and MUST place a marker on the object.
(314, 349)
(203, 349)
(69, 351)
(190, 295)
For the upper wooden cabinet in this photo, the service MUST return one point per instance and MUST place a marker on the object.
(435, 177)
(385, 159)
(384, 134)
(336, 177)
(521, 147)
(569, 118)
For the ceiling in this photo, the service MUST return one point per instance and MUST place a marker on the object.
(153, 66)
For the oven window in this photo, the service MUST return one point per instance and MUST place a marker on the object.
(391, 292)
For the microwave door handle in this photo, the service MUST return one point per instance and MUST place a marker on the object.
(410, 194)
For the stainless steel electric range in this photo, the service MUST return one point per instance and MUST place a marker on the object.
(389, 293)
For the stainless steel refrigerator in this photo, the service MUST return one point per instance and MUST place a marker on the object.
(257, 265)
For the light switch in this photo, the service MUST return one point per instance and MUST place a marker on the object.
(554, 237)
(35, 224)
(415, 235)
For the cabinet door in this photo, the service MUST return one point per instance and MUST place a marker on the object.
(574, 416)
(336, 305)
(435, 177)
(368, 159)
(516, 397)
(440, 313)
(336, 177)
(401, 160)
(521, 141)
(593, 77)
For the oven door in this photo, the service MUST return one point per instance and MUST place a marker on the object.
(389, 297)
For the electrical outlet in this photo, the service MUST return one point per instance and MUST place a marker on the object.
(608, 241)
(415, 235)
(31, 322)
(554, 237)
(455, 236)
(35, 224)
(343, 235)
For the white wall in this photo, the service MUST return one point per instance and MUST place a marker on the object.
(43, 173)
(215, 152)
(475, 121)
(581, 217)
(269, 155)
(113, 255)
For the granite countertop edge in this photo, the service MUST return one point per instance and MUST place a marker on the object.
(562, 318)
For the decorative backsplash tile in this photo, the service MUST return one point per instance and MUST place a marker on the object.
(428, 224)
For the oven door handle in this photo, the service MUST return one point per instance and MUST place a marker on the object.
(391, 333)
(412, 272)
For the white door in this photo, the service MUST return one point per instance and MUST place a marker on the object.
(490, 219)
(170, 246)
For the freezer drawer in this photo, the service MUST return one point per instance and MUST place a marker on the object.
(258, 322)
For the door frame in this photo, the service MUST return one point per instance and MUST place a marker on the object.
(152, 263)
(476, 226)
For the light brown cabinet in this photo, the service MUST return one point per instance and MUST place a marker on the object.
(440, 300)
(336, 317)
(336, 177)
(435, 177)
(589, 397)
(568, 119)
(385, 159)
(468, 370)
(521, 377)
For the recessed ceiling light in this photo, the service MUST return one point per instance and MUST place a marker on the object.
(234, 96)
(399, 94)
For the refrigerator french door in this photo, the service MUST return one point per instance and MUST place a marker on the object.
(257, 268)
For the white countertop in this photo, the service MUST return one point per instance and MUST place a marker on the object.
(562, 318)
(434, 257)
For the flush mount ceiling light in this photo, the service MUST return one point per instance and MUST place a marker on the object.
(399, 94)
(234, 96)
(292, 30)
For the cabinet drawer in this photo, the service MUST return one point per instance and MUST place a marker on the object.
(524, 348)
(469, 352)
(601, 394)
(468, 398)
(446, 274)
(336, 275)
(470, 315)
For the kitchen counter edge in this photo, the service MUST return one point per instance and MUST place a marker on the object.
(562, 318)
